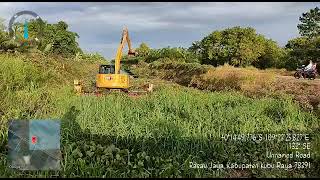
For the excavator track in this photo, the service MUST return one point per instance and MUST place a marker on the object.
(144, 90)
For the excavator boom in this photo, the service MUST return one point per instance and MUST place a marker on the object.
(109, 76)
(124, 39)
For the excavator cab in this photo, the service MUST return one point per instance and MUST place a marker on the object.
(106, 69)
(109, 80)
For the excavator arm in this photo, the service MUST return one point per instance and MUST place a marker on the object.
(124, 39)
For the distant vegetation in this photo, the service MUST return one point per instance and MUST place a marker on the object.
(44, 38)
(239, 47)
(242, 47)
(159, 134)
(236, 46)
(207, 64)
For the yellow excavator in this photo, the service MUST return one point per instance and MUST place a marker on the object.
(109, 76)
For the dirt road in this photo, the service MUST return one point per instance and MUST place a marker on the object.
(305, 91)
(301, 80)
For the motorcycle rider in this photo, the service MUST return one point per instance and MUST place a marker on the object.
(309, 67)
(307, 72)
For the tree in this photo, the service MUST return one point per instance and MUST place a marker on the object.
(171, 54)
(6, 43)
(3, 36)
(48, 38)
(272, 56)
(236, 46)
(310, 23)
(307, 47)
(301, 50)
(2, 32)
(2, 26)
(56, 38)
(143, 50)
(62, 25)
(196, 48)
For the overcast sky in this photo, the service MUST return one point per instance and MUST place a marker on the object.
(162, 24)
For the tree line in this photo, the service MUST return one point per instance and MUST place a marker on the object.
(243, 46)
(237, 46)
(43, 37)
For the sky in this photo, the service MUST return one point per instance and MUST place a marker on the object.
(162, 24)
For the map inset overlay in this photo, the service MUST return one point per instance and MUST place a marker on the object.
(34, 144)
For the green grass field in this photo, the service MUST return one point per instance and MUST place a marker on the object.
(156, 135)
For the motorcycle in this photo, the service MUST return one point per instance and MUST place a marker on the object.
(302, 73)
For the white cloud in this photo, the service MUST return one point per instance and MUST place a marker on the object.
(99, 24)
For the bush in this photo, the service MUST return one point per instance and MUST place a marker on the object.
(15, 74)
(230, 78)
(301, 50)
(172, 54)
(239, 47)
(90, 57)
(181, 73)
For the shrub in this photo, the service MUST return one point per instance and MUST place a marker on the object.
(90, 57)
(230, 78)
(171, 54)
(15, 74)
(181, 73)
(238, 46)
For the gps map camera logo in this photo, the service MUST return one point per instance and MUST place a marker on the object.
(19, 31)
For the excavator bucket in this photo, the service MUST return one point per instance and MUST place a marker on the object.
(131, 54)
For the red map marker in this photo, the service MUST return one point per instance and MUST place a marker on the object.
(34, 139)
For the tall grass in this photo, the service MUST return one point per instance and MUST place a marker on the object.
(230, 78)
(250, 81)
(156, 135)
(159, 134)
(206, 77)
(27, 83)
(178, 72)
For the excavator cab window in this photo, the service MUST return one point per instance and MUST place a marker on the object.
(106, 69)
